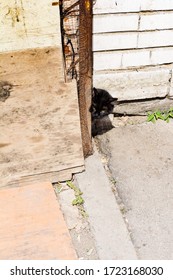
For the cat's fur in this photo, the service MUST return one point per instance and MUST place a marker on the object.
(102, 103)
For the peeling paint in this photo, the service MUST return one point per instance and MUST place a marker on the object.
(15, 14)
(26, 24)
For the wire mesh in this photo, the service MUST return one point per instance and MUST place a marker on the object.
(69, 13)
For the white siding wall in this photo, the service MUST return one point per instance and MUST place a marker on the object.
(28, 24)
(133, 47)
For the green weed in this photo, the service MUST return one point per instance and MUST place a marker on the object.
(78, 200)
(165, 116)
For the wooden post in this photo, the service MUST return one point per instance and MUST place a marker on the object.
(85, 73)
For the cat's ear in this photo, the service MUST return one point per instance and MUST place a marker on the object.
(95, 91)
(113, 100)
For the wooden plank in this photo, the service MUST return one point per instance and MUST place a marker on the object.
(39, 122)
(53, 177)
(85, 73)
(32, 225)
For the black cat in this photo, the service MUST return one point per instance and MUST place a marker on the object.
(102, 103)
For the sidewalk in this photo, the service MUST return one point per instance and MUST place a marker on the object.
(111, 235)
(140, 158)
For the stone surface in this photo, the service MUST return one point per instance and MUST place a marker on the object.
(141, 162)
(133, 85)
(77, 223)
(107, 224)
(143, 107)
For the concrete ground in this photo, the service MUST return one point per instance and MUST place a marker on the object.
(128, 209)
(127, 188)
(112, 238)
(77, 223)
(140, 161)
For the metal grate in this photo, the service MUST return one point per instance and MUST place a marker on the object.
(69, 14)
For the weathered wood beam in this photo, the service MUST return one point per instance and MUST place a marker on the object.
(85, 73)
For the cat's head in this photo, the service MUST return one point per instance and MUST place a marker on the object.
(101, 93)
(102, 102)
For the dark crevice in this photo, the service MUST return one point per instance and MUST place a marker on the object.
(140, 100)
